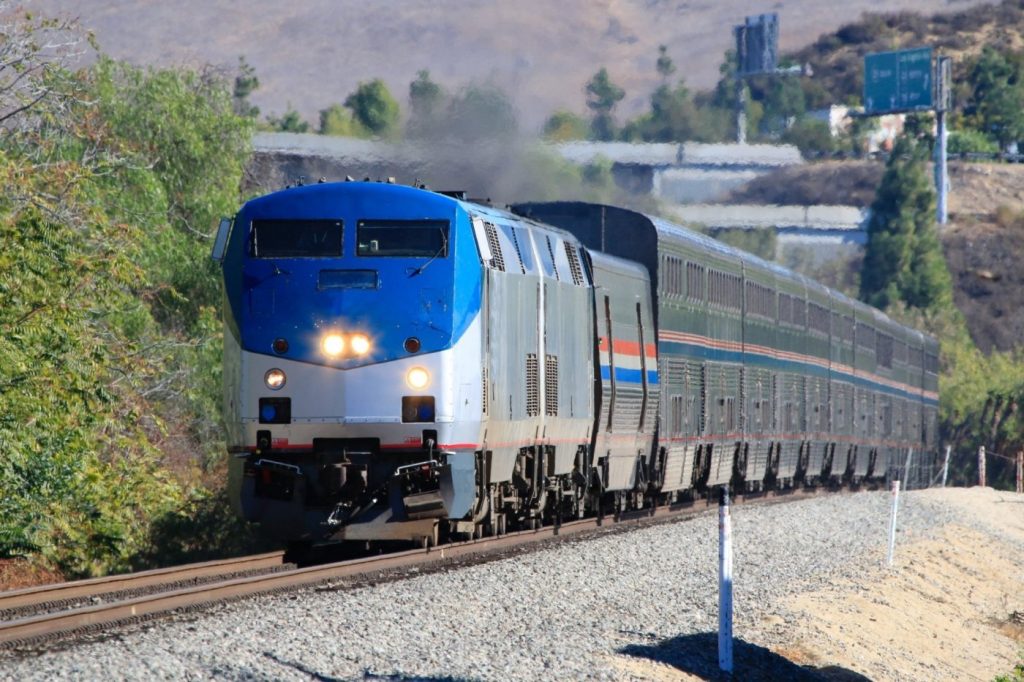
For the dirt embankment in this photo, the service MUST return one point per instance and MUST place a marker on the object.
(951, 608)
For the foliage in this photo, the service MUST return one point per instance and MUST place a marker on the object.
(426, 103)
(563, 126)
(374, 108)
(290, 122)
(761, 243)
(970, 141)
(181, 125)
(782, 99)
(996, 102)
(903, 260)
(855, 138)
(664, 64)
(337, 120)
(78, 473)
(111, 180)
(602, 96)
(674, 117)
(246, 82)
(1015, 675)
(482, 113)
(811, 136)
(598, 174)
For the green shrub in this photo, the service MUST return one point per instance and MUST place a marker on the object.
(970, 141)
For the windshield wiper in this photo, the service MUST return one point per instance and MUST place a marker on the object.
(444, 247)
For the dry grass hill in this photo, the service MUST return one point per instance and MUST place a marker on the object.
(311, 54)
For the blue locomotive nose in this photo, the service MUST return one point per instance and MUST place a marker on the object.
(370, 283)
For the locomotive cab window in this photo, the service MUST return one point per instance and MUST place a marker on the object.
(296, 238)
(402, 238)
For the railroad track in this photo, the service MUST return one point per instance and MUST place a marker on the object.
(34, 616)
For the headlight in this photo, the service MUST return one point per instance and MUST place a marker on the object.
(333, 345)
(360, 344)
(417, 378)
(274, 379)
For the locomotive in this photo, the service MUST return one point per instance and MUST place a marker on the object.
(403, 364)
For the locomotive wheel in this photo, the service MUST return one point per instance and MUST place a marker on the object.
(299, 552)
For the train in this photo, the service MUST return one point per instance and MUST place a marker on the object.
(408, 365)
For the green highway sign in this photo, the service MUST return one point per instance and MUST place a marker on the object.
(898, 81)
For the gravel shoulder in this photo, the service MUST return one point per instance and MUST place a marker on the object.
(813, 601)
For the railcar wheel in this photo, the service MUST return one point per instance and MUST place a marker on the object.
(298, 552)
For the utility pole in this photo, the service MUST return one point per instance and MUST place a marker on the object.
(740, 33)
(943, 85)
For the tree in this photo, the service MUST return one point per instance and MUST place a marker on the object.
(563, 126)
(112, 176)
(426, 99)
(290, 122)
(337, 120)
(482, 112)
(246, 83)
(664, 64)
(811, 136)
(602, 96)
(971, 141)
(673, 116)
(374, 108)
(720, 104)
(783, 103)
(996, 106)
(903, 260)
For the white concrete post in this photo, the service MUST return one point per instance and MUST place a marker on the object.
(981, 466)
(945, 465)
(892, 519)
(724, 583)
(906, 468)
(1020, 471)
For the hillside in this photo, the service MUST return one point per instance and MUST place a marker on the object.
(311, 54)
(984, 241)
(837, 59)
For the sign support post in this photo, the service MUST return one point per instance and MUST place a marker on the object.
(907, 81)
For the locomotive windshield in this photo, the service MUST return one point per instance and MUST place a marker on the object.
(296, 238)
(402, 238)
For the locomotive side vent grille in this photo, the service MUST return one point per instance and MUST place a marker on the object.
(519, 252)
(551, 385)
(551, 252)
(486, 386)
(497, 260)
(574, 264)
(532, 385)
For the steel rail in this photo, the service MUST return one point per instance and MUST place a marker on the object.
(68, 622)
(93, 587)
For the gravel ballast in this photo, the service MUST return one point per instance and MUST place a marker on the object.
(561, 613)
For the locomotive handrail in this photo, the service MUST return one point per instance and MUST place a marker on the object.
(283, 465)
(433, 463)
